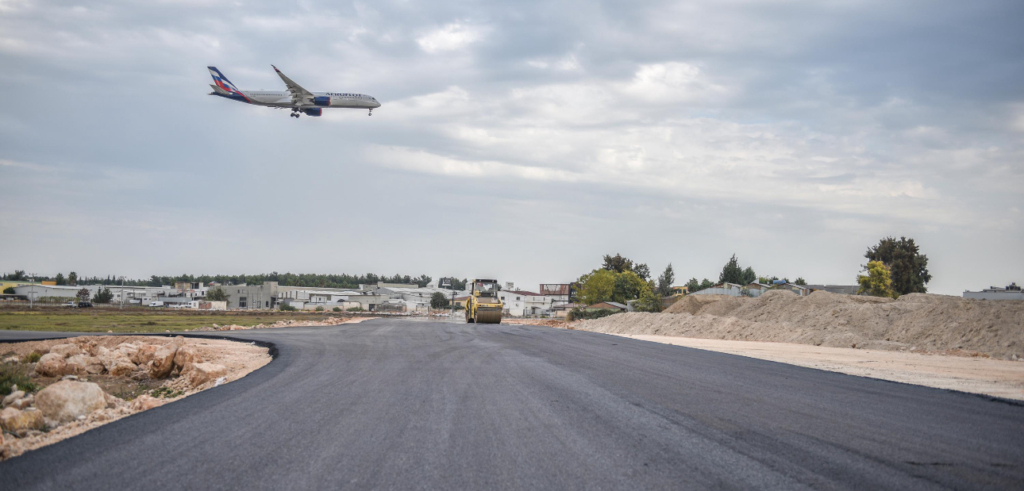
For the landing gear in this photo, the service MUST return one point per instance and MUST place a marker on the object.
(295, 112)
(371, 113)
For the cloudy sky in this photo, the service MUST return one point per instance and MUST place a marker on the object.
(521, 140)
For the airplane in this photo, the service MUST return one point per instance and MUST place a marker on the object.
(300, 100)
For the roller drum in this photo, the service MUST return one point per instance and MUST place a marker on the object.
(488, 315)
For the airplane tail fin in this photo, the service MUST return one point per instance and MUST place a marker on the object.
(223, 86)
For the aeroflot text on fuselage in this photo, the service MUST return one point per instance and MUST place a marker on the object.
(298, 99)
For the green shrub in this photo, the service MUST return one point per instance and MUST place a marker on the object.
(579, 314)
(32, 357)
(319, 309)
(287, 308)
(336, 309)
(12, 374)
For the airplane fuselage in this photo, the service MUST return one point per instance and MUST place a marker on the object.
(296, 98)
(283, 98)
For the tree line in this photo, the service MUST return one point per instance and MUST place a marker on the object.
(284, 279)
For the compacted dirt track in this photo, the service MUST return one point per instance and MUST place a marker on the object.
(389, 404)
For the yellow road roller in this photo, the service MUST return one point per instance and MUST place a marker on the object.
(483, 305)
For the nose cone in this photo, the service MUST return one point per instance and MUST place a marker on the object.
(376, 104)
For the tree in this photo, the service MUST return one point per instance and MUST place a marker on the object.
(877, 282)
(731, 272)
(766, 280)
(693, 285)
(909, 268)
(83, 295)
(438, 300)
(216, 295)
(749, 276)
(422, 281)
(649, 301)
(73, 278)
(705, 284)
(617, 264)
(642, 271)
(596, 286)
(103, 296)
(59, 279)
(665, 281)
(627, 286)
(800, 281)
(9, 290)
(19, 275)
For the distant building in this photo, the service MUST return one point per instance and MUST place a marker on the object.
(607, 306)
(839, 289)
(680, 290)
(1011, 292)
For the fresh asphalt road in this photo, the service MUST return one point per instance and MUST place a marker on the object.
(391, 404)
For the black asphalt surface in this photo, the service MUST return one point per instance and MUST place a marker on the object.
(391, 404)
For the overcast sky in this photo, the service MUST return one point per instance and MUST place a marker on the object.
(518, 140)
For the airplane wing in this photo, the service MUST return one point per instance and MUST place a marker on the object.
(299, 95)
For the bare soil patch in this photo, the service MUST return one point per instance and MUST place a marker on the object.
(979, 375)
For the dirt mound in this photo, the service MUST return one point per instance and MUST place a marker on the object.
(691, 304)
(724, 306)
(915, 321)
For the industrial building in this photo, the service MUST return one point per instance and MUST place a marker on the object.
(1011, 292)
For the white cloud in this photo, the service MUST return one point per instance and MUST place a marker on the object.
(23, 165)
(672, 82)
(451, 37)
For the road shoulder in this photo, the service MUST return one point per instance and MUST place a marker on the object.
(999, 378)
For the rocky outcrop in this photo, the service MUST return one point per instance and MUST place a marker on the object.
(51, 365)
(67, 400)
(14, 420)
(202, 373)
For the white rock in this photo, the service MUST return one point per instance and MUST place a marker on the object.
(13, 396)
(202, 373)
(163, 361)
(51, 365)
(85, 364)
(185, 357)
(66, 350)
(14, 420)
(146, 401)
(66, 400)
(144, 354)
(24, 402)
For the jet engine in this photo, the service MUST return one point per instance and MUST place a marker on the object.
(313, 111)
(322, 100)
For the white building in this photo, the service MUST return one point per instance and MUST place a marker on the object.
(1011, 292)
(518, 303)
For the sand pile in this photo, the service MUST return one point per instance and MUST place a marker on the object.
(691, 304)
(916, 321)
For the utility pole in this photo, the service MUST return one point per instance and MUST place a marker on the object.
(122, 292)
(32, 293)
